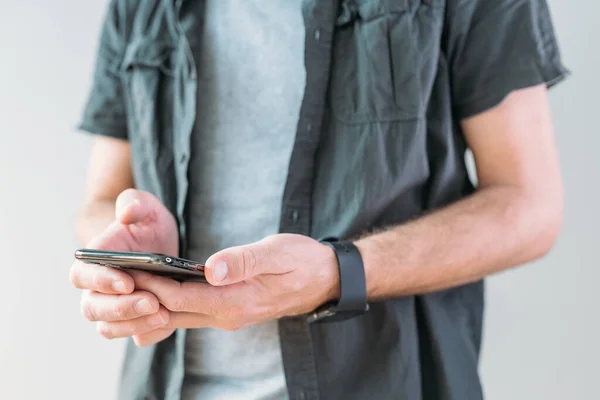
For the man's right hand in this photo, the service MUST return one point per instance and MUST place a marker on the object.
(109, 297)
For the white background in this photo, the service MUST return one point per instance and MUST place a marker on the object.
(541, 333)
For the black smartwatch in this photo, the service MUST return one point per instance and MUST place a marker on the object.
(353, 284)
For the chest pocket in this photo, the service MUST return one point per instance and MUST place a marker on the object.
(384, 59)
(148, 77)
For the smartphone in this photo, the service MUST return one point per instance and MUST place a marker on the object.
(159, 264)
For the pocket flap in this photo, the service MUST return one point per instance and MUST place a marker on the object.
(366, 10)
(147, 53)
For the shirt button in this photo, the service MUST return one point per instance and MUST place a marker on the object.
(300, 395)
(295, 216)
(317, 34)
(183, 158)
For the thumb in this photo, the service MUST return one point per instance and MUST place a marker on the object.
(133, 206)
(235, 264)
(110, 239)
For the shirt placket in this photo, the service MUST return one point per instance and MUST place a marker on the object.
(184, 114)
(296, 343)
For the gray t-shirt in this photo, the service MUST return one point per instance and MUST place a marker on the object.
(250, 86)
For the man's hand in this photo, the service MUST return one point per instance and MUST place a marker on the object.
(142, 224)
(281, 275)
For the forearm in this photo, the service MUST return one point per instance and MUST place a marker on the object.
(94, 219)
(496, 228)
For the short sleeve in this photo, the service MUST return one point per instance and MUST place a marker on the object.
(104, 112)
(497, 46)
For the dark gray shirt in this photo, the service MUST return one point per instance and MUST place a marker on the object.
(377, 142)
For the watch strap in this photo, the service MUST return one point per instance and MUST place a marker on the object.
(353, 287)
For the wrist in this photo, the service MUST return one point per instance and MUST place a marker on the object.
(331, 276)
(349, 290)
(366, 247)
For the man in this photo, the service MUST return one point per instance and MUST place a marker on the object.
(244, 132)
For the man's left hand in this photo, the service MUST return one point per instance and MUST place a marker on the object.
(281, 275)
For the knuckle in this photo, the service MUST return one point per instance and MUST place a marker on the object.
(86, 294)
(166, 317)
(87, 311)
(130, 328)
(86, 307)
(160, 320)
(270, 239)
(261, 311)
(239, 312)
(232, 326)
(216, 304)
(150, 280)
(121, 311)
(74, 276)
(135, 328)
(238, 317)
(256, 313)
(227, 310)
(141, 341)
(150, 338)
(98, 282)
(179, 303)
(248, 261)
(104, 329)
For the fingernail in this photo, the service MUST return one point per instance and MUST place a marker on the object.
(220, 271)
(156, 320)
(130, 205)
(143, 307)
(133, 203)
(119, 286)
(127, 207)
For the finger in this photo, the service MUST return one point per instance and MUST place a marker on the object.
(109, 307)
(100, 279)
(152, 337)
(185, 320)
(119, 329)
(188, 320)
(194, 297)
(236, 264)
(177, 320)
(133, 206)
